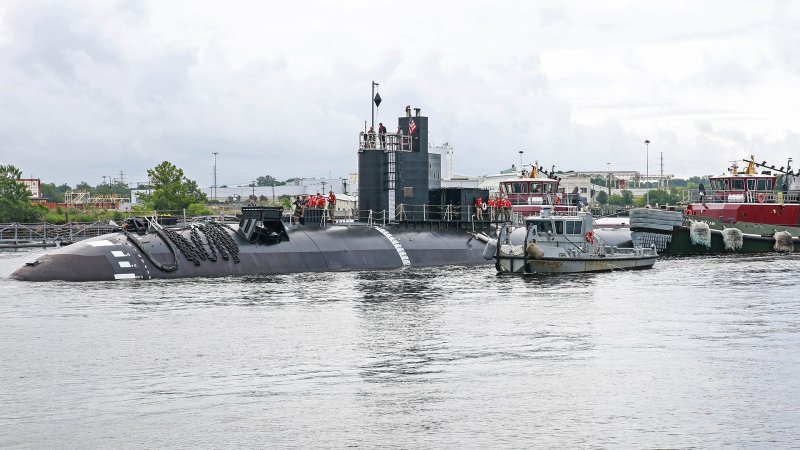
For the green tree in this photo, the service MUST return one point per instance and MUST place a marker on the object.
(54, 193)
(269, 180)
(172, 191)
(84, 187)
(627, 197)
(616, 199)
(15, 203)
(114, 188)
(664, 197)
(602, 197)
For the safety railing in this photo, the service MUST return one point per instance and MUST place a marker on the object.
(451, 213)
(710, 196)
(69, 232)
(390, 142)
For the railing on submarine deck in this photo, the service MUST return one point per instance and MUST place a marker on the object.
(389, 142)
(404, 213)
(65, 233)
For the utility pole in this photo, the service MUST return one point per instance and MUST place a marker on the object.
(608, 164)
(661, 178)
(520, 162)
(214, 196)
(254, 187)
(121, 177)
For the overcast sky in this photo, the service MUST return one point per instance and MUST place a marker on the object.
(91, 88)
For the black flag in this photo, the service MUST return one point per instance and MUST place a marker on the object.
(377, 99)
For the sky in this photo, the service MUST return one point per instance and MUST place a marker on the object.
(90, 89)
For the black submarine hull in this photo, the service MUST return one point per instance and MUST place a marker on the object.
(120, 256)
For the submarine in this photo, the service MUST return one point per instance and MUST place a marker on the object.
(396, 172)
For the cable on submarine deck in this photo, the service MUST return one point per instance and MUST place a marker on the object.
(137, 244)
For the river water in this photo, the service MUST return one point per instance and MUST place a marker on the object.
(701, 352)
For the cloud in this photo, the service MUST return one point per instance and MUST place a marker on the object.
(89, 89)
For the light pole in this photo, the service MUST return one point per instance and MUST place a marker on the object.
(215, 176)
(647, 172)
(608, 182)
(520, 162)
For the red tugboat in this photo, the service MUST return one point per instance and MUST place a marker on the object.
(528, 192)
(748, 196)
(743, 212)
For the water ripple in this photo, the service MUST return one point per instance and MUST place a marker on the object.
(698, 352)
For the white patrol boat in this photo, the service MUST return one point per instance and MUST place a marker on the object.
(561, 242)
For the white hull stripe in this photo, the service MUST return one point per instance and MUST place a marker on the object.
(101, 243)
(400, 250)
(124, 276)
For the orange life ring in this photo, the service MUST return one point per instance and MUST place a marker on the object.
(761, 197)
(589, 237)
(558, 200)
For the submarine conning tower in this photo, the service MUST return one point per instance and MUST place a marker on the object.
(394, 170)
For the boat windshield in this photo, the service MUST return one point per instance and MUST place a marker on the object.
(543, 226)
(739, 184)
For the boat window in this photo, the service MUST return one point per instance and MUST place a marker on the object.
(770, 184)
(726, 184)
(762, 184)
(560, 227)
(544, 227)
(751, 184)
(503, 189)
(574, 227)
(737, 184)
(520, 188)
(716, 185)
(536, 188)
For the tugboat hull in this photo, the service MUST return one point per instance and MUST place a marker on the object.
(671, 233)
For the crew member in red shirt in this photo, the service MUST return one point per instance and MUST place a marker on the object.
(331, 204)
(507, 208)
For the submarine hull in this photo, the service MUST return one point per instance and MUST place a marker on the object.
(119, 256)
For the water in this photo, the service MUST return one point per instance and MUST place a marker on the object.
(695, 353)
